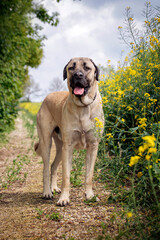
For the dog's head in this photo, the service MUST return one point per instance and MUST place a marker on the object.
(81, 73)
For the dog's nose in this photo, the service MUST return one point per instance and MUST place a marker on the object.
(78, 74)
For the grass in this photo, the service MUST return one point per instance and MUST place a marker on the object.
(14, 171)
(54, 216)
(77, 168)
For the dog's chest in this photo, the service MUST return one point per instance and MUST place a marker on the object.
(82, 132)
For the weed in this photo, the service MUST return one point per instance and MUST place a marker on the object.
(77, 168)
(92, 201)
(39, 213)
(29, 122)
(14, 171)
(54, 216)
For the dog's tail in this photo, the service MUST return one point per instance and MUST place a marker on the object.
(37, 148)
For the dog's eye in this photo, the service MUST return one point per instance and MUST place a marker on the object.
(72, 67)
(86, 68)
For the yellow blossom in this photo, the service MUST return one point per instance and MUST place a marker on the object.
(109, 135)
(147, 95)
(142, 149)
(150, 166)
(129, 108)
(150, 140)
(99, 123)
(152, 150)
(129, 214)
(139, 174)
(134, 160)
(148, 157)
(31, 107)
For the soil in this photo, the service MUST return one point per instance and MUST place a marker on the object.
(24, 214)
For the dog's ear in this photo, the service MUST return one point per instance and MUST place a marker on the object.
(97, 70)
(65, 71)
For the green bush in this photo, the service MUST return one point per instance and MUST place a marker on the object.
(129, 153)
(20, 48)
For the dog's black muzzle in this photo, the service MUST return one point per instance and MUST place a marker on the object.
(79, 84)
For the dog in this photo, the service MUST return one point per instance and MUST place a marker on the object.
(69, 118)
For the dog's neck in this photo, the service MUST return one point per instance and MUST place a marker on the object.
(86, 100)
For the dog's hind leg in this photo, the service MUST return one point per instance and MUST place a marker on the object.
(45, 128)
(55, 164)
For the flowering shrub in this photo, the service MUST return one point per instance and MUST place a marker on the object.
(31, 107)
(129, 153)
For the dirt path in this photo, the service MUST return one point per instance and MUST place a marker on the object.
(25, 215)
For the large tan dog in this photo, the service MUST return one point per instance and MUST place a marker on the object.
(69, 117)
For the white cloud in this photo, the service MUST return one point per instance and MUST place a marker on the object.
(87, 28)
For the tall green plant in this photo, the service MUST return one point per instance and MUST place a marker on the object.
(20, 48)
(131, 102)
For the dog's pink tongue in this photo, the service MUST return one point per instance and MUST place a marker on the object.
(78, 91)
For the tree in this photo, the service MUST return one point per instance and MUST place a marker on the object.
(31, 88)
(20, 48)
(57, 85)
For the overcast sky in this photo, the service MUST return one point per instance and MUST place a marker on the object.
(87, 28)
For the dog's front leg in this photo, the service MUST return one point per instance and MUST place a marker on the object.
(90, 162)
(66, 168)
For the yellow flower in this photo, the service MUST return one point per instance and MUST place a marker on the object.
(129, 214)
(126, 59)
(31, 107)
(152, 150)
(150, 166)
(109, 135)
(132, 72)
(150, 140)
(134, 160)
(142, 149)
(142, 122)
(99, 123)
(129, 108)
(139, 174)
(147, 95)
(148, 157)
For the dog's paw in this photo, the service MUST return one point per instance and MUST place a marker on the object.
(89, 195)
(63, 201)
(56, 189)
(47, 195)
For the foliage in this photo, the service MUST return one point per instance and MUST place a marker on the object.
(29, 112)
(31, 107)
(77, 167)
(129, 153)
(14, 172)
(54, 216)
(20, 48)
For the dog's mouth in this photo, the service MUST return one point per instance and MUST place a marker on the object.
(79, 90)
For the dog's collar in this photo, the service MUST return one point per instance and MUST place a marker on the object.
(89, 103)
